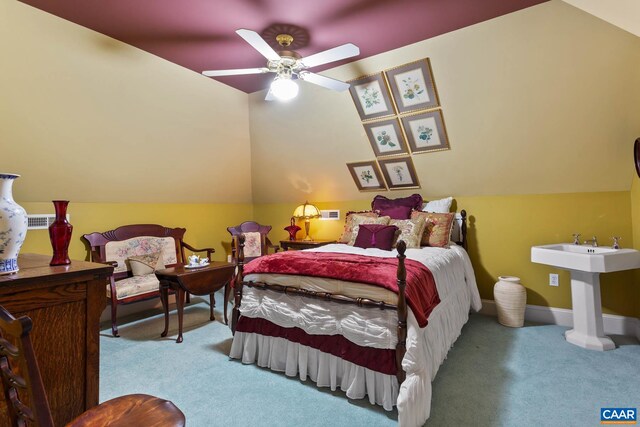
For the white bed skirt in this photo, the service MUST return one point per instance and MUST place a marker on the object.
(427, 348)
(326, 370)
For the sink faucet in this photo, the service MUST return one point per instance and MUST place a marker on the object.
(593, 242)
(576, 238)
(616, 242)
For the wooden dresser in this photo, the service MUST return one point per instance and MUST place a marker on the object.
(65, 304)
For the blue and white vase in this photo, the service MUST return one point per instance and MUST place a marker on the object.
(13, 225)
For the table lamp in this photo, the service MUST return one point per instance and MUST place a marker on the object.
(306, 211)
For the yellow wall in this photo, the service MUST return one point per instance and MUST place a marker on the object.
(634, 195)
(206, 224)
(502, 230)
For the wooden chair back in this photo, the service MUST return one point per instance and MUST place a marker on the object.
(21, 381)
(249, 227)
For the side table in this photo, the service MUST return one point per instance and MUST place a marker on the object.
(303, 244)
(196, 281)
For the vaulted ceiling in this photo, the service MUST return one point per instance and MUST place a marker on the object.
(199, 34)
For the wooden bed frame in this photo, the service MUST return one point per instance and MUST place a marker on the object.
(401, 306)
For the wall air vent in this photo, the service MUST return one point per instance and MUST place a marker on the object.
(330, 215)
(40, 221)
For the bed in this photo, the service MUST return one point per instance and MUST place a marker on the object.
(365, 340)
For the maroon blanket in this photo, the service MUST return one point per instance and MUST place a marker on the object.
(376, 359)
(421, 292)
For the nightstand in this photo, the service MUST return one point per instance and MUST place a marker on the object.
(303, 244)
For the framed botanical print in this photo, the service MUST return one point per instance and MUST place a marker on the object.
(386, 138)
(367, 176)
(412, 86)
(371, 96)
(399, 173)
(426, 132)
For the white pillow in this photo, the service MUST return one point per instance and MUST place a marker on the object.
(438, 206)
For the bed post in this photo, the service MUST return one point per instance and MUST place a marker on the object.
(237, 289)
(463, 229)
(401, 347)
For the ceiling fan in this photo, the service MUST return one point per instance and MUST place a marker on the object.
(289, 65)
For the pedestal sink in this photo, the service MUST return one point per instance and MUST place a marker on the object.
(585, 264)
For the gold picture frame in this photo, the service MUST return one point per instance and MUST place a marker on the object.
(425, 131)
(371, 95)
(399, 173)
(386, 137)
(367, 176)
(412, 86)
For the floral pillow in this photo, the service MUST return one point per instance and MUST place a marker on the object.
(252, 244)
(409, 230)
(141, 265)
(438, 228)
(383, 220)
(352, 219)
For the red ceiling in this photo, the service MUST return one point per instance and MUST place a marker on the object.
(200, 34)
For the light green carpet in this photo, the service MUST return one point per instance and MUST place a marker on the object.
(494, 376)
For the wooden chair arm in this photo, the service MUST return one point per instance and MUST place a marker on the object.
(111, 263)
(209, 251)
(275, 248)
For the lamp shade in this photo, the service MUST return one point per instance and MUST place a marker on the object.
(306, 211)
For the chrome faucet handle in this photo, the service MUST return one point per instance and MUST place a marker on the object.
(576, 238)
(616, 242)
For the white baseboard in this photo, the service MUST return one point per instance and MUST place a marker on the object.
(613, 324)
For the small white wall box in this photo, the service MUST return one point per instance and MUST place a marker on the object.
(330, 215)
(40, 221)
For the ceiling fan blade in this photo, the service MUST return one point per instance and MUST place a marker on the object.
(270, 96)
(258, 44)
(216, 73)
(337, 53)
(323, 81)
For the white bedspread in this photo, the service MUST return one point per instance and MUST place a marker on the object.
(426, 348)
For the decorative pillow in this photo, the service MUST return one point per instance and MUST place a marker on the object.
(438, 228)
(351, 220)
(397, 212)
(385, 206)
(438, 206)
(252, 244)
(376, 236)
(141, 265)
(382, 220)
(410, 230)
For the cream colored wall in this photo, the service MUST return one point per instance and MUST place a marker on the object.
(502, 230)
(537, 101)
(622, 13)
(87, 118)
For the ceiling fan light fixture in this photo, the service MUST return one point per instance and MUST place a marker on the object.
(284, 88)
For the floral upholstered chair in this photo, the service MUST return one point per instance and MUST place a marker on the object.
(256, 243)
(135, 252)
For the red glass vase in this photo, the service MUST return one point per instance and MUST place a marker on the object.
(292, 229)
(60, 234)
